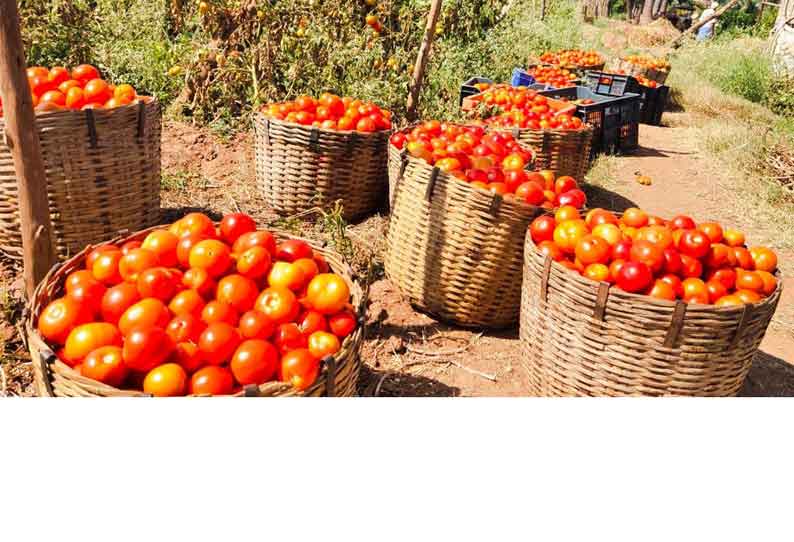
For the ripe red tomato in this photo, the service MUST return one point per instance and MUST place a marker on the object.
(764, 259)
(259, 238)
(218, 311)
(148, 312)
(289, 337)
(255, 325)
(342, 324)
(574, 197)
(279, 304)
(234, 225)
(84, 73)
(648, 253)
(212, 380)
(199, 280)
(61, 316)
(218, 342)
(634, 276)
(105, 268)
(542, 229)
(311, 321)
(146, 347)
(299, 368)
(672, 260)
(187, 302)
(97, 90)
(162, 243)
(550, 249)
(136, 261)
(690, 267)
(622, 250)
(238, 291)
(167, 380)
(117, 300)
(188, 356)
(85, 338)
(694, 243)
(682, 222)
(591, 249)
(184, 328)
(675, 283)
(564, 184)
(293, 249)
(725, 276)
(254, 262)
(662, 290)
(530, 192)
(211, 255)
(254, 362)
(105, 364)
(157, 282)
(185, 244)
(95, 254)
(712, 230)
(716, 290)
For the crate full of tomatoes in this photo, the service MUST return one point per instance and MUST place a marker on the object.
(653, 96)
(573, 59)
(195, 308)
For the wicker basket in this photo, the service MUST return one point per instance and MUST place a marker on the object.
(338, 376)
(453, 250)
(395, 169)
(103, 176)
(580, 337)
(566, 152)
(301, 167)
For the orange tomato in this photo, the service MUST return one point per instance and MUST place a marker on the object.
(105, 364)
(218, 343)
(163, 243)
(187, 302)
(743, 258)
(764, 259)
(97, 90)
(299, 368)
(662, 290)
(84, 73)
(167, 380)
(218, 311)
(716, 290)
(648, 253)
(255, 325)
(749, 280)
(278, 304)
(184, 245)
(658, 235)
(769, 280)
(185, 328)
(146, 347)
(568, 233)
(145, 313)
(106, 267)
(597, 271)
(254, 362)
(211, 255)
(695, 291)
(199, 280)
(252, 239)
(322, 344)
(188, 356)
(733, 238)
(712, 230)
(309, 268)
(286, 275)
(212, 380)
(54, 97)
(124, 92)
(327, 293)
(136, 261)
(238, 291)
(61, 316)
(196, 223)
(566, 212)
(94, 255)
(730, 300)
(591, 249)
(85, 338)
(117, 300)
(748, 296)
(254, 262)
(75, 98)
(157, 282)
(634, 217)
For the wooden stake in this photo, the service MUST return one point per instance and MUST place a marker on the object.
(421, 60)
(23, 140)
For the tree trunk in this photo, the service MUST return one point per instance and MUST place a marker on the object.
(659, 8)
(629, 10)
(647, 12)
(783, 37)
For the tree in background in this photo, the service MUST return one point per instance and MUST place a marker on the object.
(783, 37)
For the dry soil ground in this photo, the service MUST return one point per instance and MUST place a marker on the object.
(408, 353)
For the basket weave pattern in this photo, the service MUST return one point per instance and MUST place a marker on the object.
(301, 167)
(453, 250)
(581, 338)
(566, 152)
(103, 176)
(55, 378)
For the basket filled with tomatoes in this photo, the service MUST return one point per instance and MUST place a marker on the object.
(196, 308)
(654, 68)
(573, 59)
(635, 304)
(314, 152)
(101, 148)
(461, 203)
(561, 139)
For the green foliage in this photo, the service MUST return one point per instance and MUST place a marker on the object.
(59, 32)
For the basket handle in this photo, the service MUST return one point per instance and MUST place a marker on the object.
(544, 279)
(330, 376)
(496, 204)
(141, 120)
(432, 183)
(352, 140)
(314, 139)
(91, 122)
(44, 361)
(743, 319)
(601, 301)
(266, 132)
(676, 324)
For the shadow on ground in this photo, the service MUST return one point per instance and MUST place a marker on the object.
(769, 376)
(598, 196)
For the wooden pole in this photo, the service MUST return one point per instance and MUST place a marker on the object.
(421, 60)
(695, 27)
(23, 140)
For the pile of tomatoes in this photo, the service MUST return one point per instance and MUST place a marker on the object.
(201, 310)
(644, 81)
(649, 62)
(489, 161)
(81, 88)
(666, 259)
(553, 76)
(331, 112)
(574, 58)
(524, 108)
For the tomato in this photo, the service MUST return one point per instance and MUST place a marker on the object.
(97, 90)
(730, 300)
(75, 98)
(614, 269)
(662, 290)
(199, 280)
(85, 73)
(591, 249)
(597, 271)
(634, 217)
(342, 324)
(218, 342)
(61, 316)
(575, 198)
(622, 250)
(147, 312)
(299, 368)
(716, 290)
(309, 268)
(212, 380)
(634, 276)
(690, 267)
(609, 233)
(88, 293)
(733, 238)
(596, 217)
(513, 161)
(567, 212)
(327, 293)
(748, 280)
(748, 296)
(164, 244)
(286, 275)
(85, 338)
(311, 321)
(188, 356)
(675, 283)
(157, 282)
(712, 230)
(195, 223)
(568, 233)
(726, 276)
(769, 280)
(682, 222)
(117, 300)
(124, 92)
(744, 258)
(658, 235)
(322, 344)
(254, 262)
(53, 96)
(672, 260)
(238, 291)
(167, 380)
(279, 304)
(254, 362)
(531, 193)
(40, 84)
(218, 311)
(694, 243)
(146, 347)
(255, 325)
(550, 249)
(105, 365)
(398, 140)
(94, 255)
(136, 261)
(234, 225)
(564, 184)
(764, 259)
(695, 291)
(648, 253)
(79, 278)
(34, 71)
(293, 249)
(184, 245)
(211, 255)
(185, 327)
(289, 337)
(252, 239)
(187, 302)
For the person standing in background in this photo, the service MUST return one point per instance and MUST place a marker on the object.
(707, 30)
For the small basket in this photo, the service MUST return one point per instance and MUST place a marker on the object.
(565, 152)
(53, 378)
(103, 176)
(300, 167)
(580, 337)
(453, 250)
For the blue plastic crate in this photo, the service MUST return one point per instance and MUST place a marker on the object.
(520, 78)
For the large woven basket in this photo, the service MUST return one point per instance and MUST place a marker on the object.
(580, 337)
(453, 250)
(338, 376)
(103, 176)
(566, 152)
(301, 167)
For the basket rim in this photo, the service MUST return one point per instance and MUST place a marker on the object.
(349, 344)
(100, 112)
(308, 129)
(643, 297)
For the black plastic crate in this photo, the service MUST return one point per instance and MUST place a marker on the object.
(652, 100)
(468, 89)
(615, 119)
